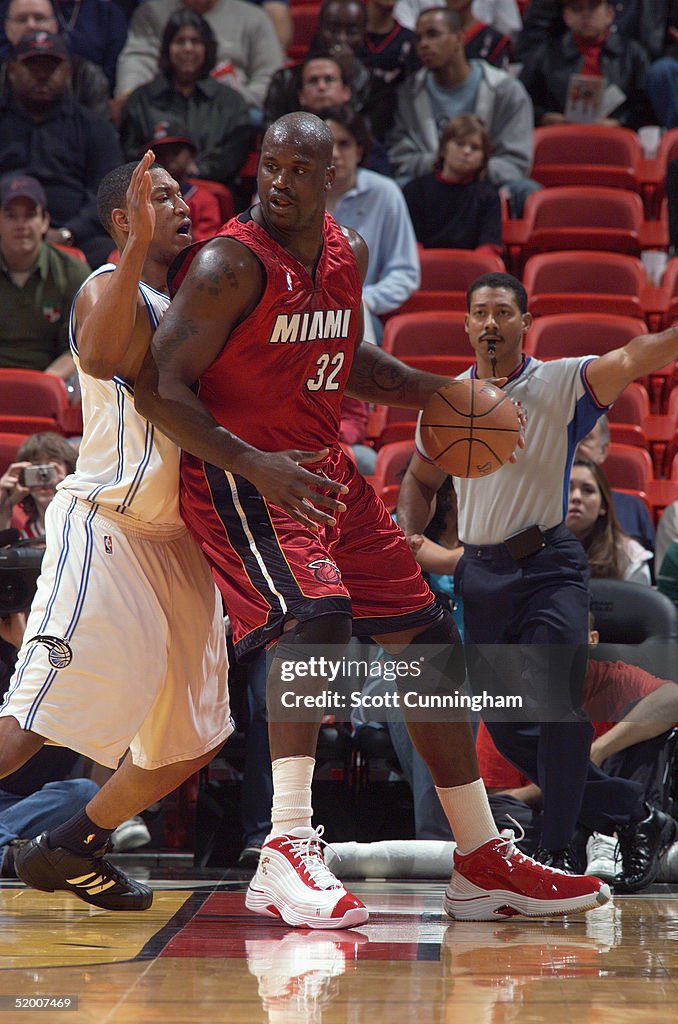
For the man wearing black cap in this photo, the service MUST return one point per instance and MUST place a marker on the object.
(47, 134)
(176, 150)
(37, 282)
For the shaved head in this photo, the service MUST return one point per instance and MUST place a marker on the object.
(304, 130)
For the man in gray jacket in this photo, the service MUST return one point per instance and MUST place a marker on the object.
(447, 85)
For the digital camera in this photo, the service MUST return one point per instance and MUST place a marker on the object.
(38, 476)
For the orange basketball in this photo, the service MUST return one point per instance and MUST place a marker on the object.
(469, 428)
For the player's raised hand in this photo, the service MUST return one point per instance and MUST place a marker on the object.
(139, 206)
(281, 478)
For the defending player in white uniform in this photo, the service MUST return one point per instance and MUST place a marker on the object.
(125, 642)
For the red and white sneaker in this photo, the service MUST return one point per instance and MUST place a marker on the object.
(293, 882)
(498, 881)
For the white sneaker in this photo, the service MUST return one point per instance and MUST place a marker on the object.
(601, 856)
(130, 835)
(293, 882)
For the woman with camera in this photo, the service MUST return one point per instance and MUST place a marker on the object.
(28, 485)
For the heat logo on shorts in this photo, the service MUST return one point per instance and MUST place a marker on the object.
(325, 571)
(59, 654)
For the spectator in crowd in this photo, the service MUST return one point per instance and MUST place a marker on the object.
(324, 84)
(504, 15)
(45, 133)
(340, 35)
(37, 282)
(667, 532)
(644, 20)
(611, 553)
(667, 576)
(89, 83)
(448, 85)
(374, 206)
(92, 29)
(39, 795)
(388, 48)
(662, 78)
(176, 151)
(589, 48)
(214, 115)
(631, 511)
(23, 502)
(455, 206)
(248, 50)
(279, 13)
(481, 41)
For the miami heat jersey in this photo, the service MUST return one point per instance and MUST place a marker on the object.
(287, 365)
(124, 463)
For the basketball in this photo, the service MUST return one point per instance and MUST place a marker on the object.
(469, 428)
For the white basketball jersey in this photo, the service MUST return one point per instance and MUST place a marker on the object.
(125, 464)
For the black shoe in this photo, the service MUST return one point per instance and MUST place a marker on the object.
(562, 860)
(94, 879)
(7, 855)
(640, 845)
(249, 858)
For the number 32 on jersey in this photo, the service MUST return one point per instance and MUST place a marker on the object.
(327, 369)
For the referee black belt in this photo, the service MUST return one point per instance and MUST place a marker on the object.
(500, 552)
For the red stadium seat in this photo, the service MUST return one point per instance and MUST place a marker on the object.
(392, 461)
(628, 467)
(632, 406)
(577, 154)
(576, 217)
(9, 444)
(432, 333)
(580, 334)
(584, 282)
(31, 401)
(446, 275)
(304, 27)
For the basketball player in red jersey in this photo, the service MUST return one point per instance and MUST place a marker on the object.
(252, 359)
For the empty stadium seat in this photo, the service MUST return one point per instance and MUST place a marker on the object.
(586, 154)
(581, 282)
(429, 333)
(628, 467)
(31, 401)
(580, 334)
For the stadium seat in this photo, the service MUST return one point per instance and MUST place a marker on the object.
(578, 154)
(579, 217)
(628, 467)
(304, 27)
(584, 282)
(632, 406)
(392, 461)
(431, 333)
(31, 401)
(637, 625)
(9, 444)
(628, 433)
(446, 275)
(580, 334)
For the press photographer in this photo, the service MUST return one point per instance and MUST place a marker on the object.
(29, 484)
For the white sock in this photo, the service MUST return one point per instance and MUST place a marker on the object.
(292, 808)
(468, 812)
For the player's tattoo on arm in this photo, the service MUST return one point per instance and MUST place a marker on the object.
(213, 278)
(378, 377)
(177, 331)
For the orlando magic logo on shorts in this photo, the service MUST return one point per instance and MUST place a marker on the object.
(59, 654)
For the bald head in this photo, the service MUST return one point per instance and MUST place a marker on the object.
(303, 130)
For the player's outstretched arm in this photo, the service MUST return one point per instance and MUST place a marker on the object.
(110, 342)
(221, 287)
(609, 375)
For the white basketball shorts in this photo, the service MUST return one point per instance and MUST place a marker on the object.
(125, 644)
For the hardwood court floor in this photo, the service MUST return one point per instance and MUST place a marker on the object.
(198, 956)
